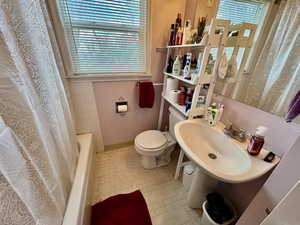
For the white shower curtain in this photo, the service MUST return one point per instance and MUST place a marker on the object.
(276, 77)
(37, 139)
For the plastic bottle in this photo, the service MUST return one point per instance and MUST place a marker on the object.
(220, 112)
(176, 66)
(257, 141)
(170, 65)
(187, 32)
(178, 19)
(187, 67)
(179, 36)
(172, 38)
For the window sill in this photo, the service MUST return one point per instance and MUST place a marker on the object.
(110, 77)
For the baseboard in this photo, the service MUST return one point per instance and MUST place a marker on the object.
(119, 145)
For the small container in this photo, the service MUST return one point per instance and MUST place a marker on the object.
(189, 95)
(188, 106)
(188, 174)
(257, 141)
(181, 97)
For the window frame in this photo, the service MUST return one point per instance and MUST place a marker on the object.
(65, 49)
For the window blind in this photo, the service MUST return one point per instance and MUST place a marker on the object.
(106, 36)
(239, 11)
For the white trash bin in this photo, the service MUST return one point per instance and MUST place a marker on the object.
(206, 220)
(188, 174)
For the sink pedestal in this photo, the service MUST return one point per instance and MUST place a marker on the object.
(202, 184)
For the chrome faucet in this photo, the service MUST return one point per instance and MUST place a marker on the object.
(236, 133)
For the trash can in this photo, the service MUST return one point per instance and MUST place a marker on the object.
(207, 220)
(188, 174)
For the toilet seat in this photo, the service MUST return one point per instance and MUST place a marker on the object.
(151, 140)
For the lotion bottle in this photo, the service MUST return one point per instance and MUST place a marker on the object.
(176, 66)
(257, 141)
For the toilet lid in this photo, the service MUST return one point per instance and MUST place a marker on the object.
(151, 139)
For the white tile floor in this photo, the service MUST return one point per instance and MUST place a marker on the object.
(119, 171)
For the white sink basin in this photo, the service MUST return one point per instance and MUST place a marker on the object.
(232, 164)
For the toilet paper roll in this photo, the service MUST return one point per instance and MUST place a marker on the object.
(172, 95)
(172, 84)
(122, 108)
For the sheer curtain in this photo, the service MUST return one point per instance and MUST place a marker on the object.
(276, 77)
(37, 140)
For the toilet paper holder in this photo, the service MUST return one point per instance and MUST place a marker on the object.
(121, 107)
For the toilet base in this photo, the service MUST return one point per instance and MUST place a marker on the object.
(151, 162)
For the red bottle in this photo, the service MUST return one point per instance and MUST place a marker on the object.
(257, 141)
(181, 97)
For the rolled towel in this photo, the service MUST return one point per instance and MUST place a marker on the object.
(294, 108)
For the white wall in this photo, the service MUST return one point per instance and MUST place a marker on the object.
(284, 177)
(85, 110)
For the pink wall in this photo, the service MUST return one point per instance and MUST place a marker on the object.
(115, 127)
(119, 129)
(280, 139)
(280, 136)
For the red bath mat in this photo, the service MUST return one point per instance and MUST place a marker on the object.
(123, 209)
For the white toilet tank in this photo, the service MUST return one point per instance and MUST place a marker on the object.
(174, 117)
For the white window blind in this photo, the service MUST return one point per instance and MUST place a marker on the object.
(238, 11)
(106, 36)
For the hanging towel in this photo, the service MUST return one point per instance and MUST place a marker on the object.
(294, 108)
(146, 94)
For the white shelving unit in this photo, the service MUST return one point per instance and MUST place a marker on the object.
(180, 108)
(181, 78)
(217, 37)
(187, 46)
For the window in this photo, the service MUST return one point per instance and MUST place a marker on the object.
(106, 36)
(238, 11)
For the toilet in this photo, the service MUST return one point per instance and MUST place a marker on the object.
(154, 146)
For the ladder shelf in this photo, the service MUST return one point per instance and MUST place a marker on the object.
(215, 40)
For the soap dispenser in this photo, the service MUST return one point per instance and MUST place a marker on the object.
(257, 141)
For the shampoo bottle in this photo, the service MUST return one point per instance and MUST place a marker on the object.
(176, 66)
(257, 141)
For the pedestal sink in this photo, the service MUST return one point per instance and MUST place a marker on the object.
(218, 158)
